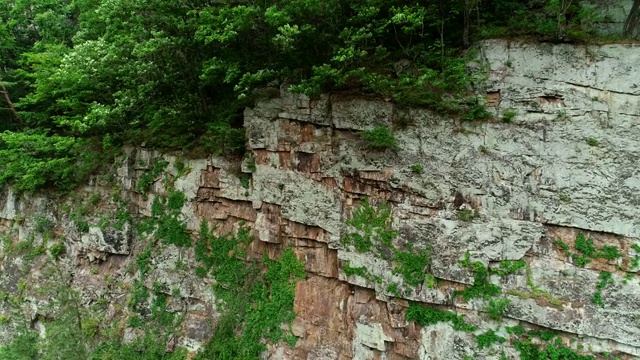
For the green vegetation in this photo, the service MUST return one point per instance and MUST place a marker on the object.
(467, 215)
(362, 272)
(78, 332)
(428, 316)
(148, 177)
(477, 112)
(515, 330)
(605, 279)
(256, 299)
(58, 249)
(587, 251)
(166, 222)
(372, 225)
(509, 115)
(417, 169)
(529, 351)
(380, 138)
(508, 267)
(481, 287)
(496, 307)
(489, 338)
(373, 232)
(635, 261)
(591, 141)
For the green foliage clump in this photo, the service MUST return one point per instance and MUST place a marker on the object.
(148, 177)
(23, 346)
(139, 296)
(515, 330)
(489, 338)
(57, 250)
(167, 220)
(372, 225)
(481, 287)
(609, 252)
(585, 245)
(496, 307)
(467, 215)
(529, 351)
(477, 112)
(373, 232)
(509, 115)
(588, 251)
(145, 348)
(255, 300)
(412, 266)
(357, 271)
(508, 267)
(30, 161)
(380, 138)
(417, 169)
(605, 278)
(428, 316)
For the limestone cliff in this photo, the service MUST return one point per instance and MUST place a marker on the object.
(530, 220)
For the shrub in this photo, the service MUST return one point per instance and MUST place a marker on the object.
(509, 115)
(417, 169)
(57, 250)
(380, 138)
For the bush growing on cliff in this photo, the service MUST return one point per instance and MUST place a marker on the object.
(380, 138)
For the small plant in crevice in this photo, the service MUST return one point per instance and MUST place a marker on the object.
(477, 111)
(481, 287)
(57, 250)
(360, 271)
(467, 214)
(562, 115)
(605, 278)
(245, 180)
(496, 307)
(417, 169)
(489, 338)
(509, 115)
(587, 251)
(425, 315)
(147, 178)
(508, 267)
(372, 231)
(380, 138)
(591, 141)
(635, 260)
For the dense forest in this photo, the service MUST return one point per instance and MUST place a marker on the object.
(81, 78)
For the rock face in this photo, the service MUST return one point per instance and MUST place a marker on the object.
(543, 198)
